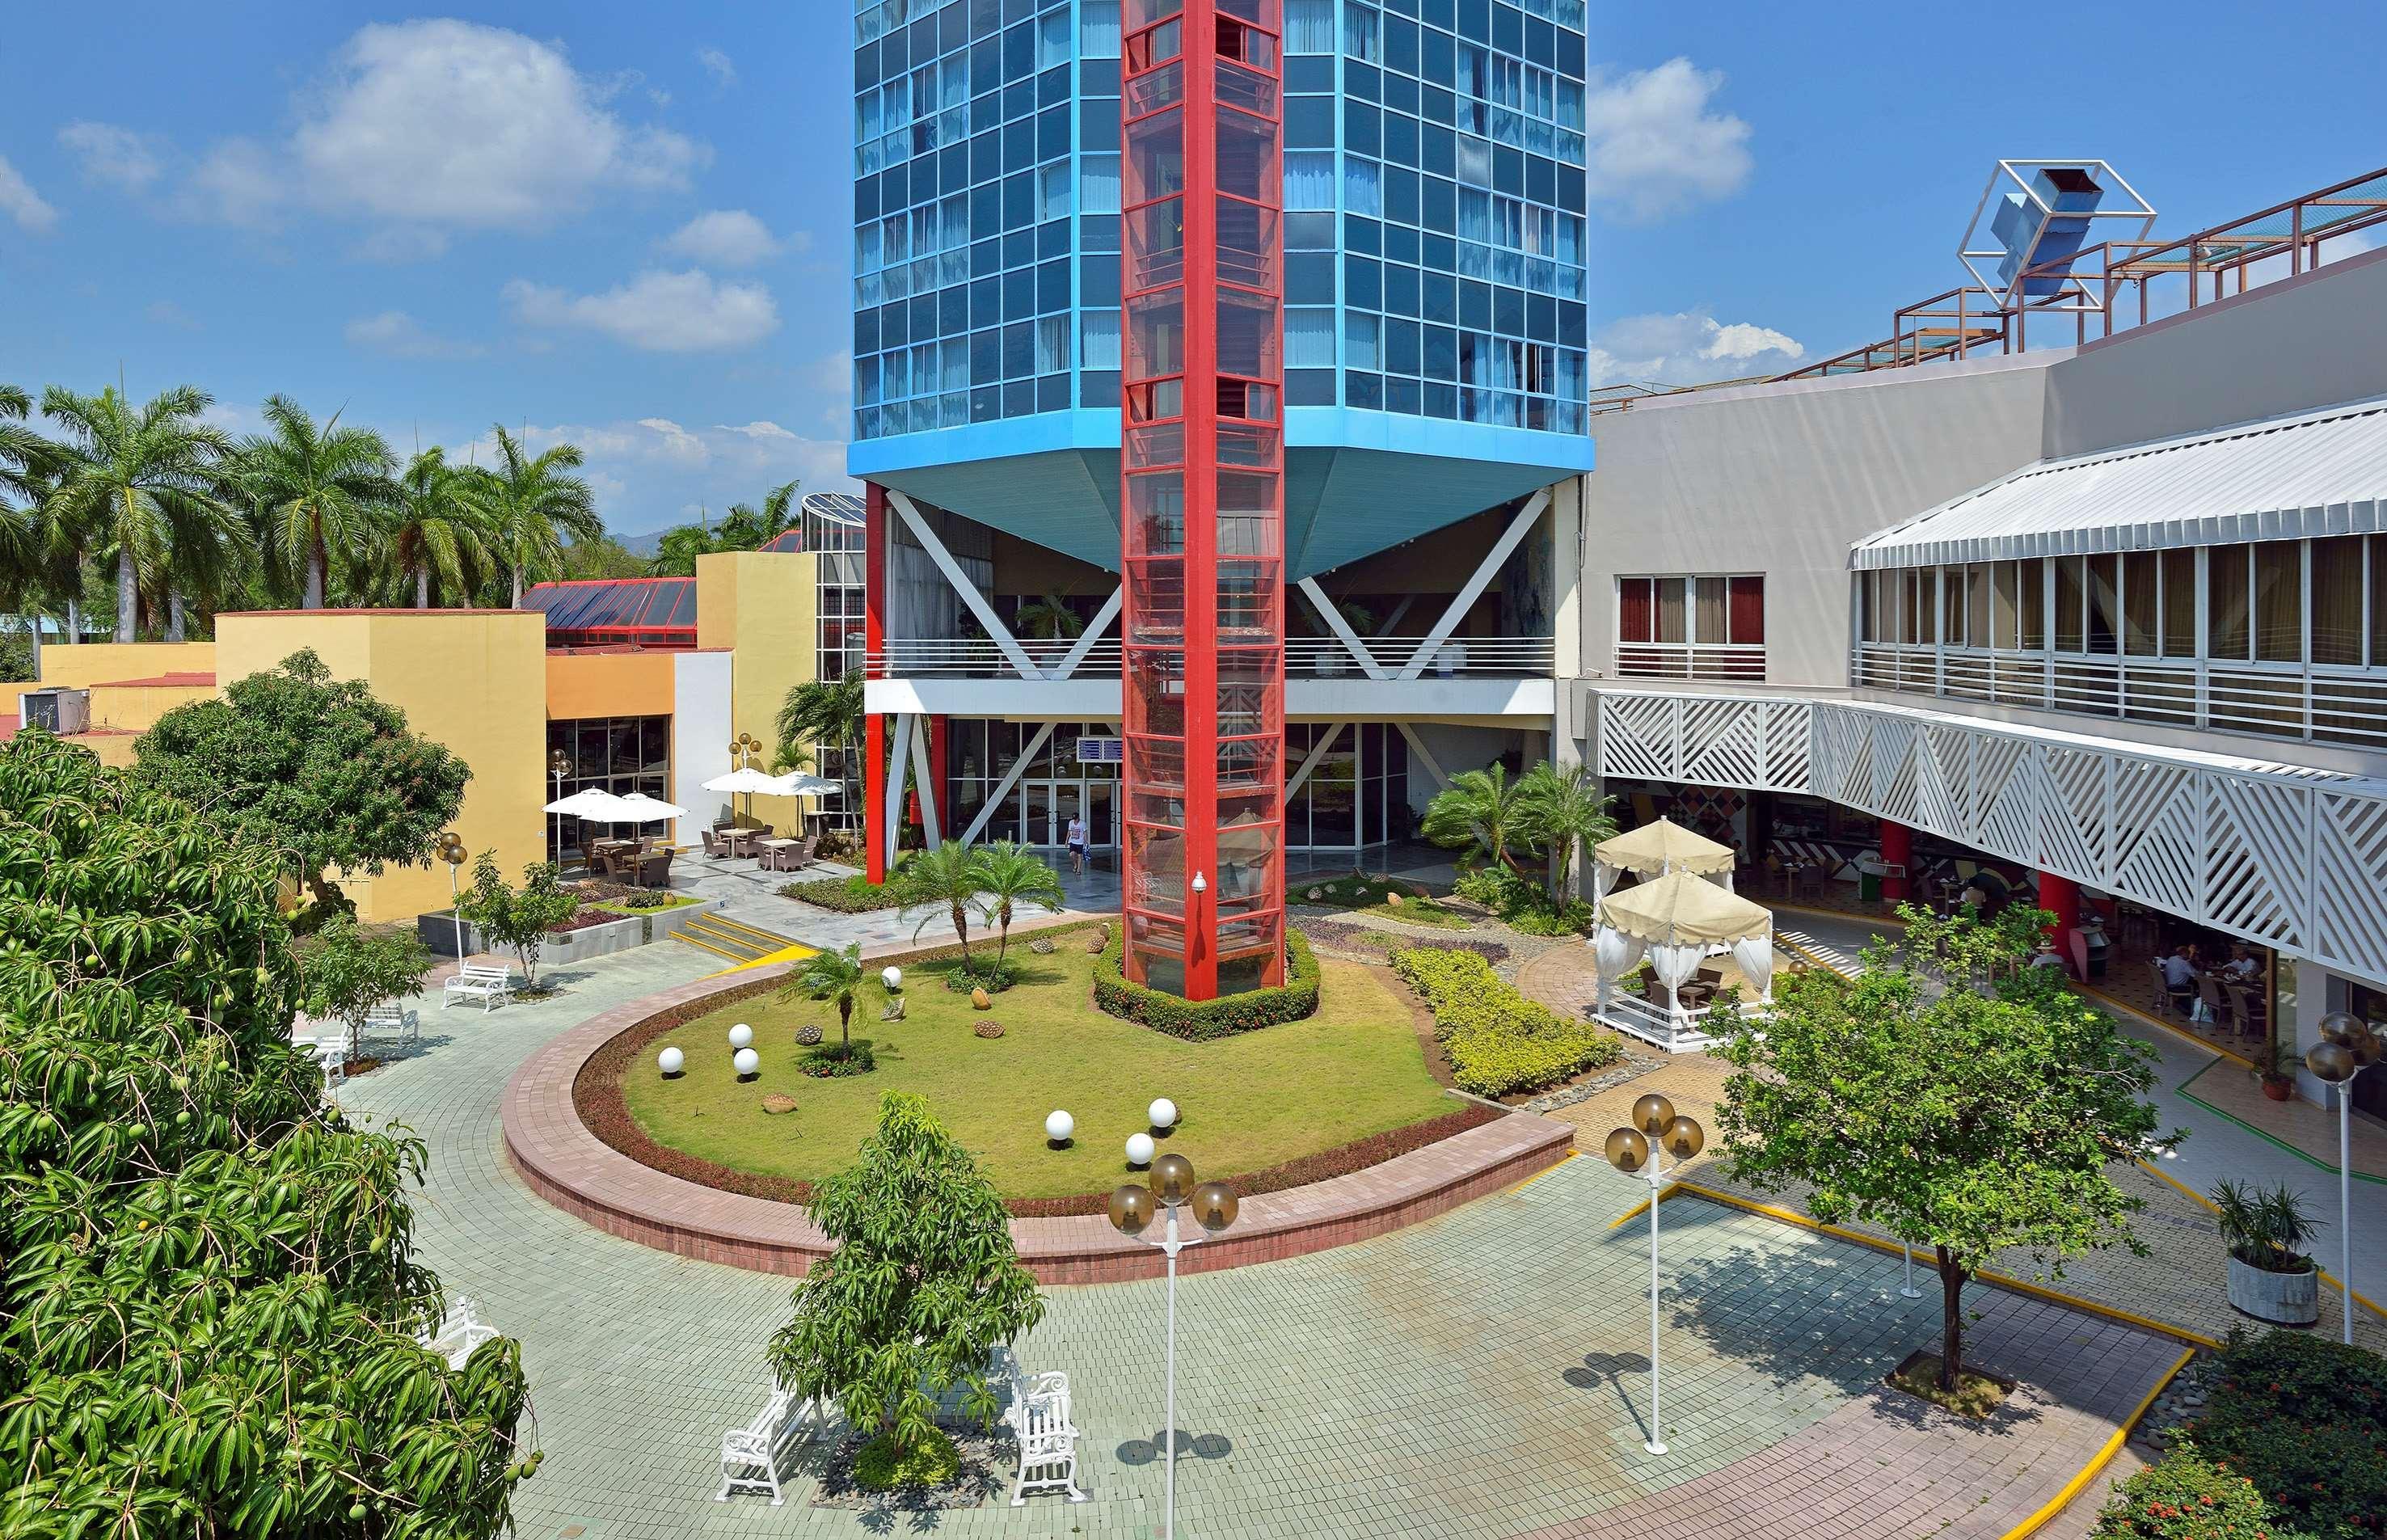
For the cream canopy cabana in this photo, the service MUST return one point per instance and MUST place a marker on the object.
(1653, 850)
(1676, 922)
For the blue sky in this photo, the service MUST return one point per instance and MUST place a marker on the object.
(625, 224)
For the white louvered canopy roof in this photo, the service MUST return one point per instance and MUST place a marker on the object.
(2315, 474)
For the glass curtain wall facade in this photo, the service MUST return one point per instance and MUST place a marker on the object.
(839, 649)
(1202, 496)
(620, 755)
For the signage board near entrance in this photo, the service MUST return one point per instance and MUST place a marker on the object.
(1102, 751)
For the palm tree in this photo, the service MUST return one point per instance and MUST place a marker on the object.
(947, 875)
(1563, 809)
(313, 491)
(823, 712)
(1008, 875)
(132, 485)
(833, 976)
(1048, 619)
(744, 527)
(1482, 810)
(436, 532)
(26, 570)
(531, 504)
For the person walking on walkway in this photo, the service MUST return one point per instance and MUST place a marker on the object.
(1077, 845)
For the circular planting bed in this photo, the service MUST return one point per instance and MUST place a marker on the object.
(1333, 1126)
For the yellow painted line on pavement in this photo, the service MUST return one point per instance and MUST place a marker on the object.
(1544, 1172)
(1643, 1206)
(2154, 1020)
(795, 952)
(2102, 1457)
(1998, 1280)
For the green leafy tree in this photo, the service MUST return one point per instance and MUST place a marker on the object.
(1009, 876)
(435, 532)
(517, 918)
(344, 973)
(312, 769)
(1483, 812)
(743, 527)
(130, 486)
(209, 1287)
(600, 555)
(923, 1286)
(825, 712)
(945, 876)
(1565, 811)
(531, 505)
(313, 490)
(1964, 1122)
(832, 975)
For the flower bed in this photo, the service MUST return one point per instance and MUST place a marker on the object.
(1498, 1042)
(1203, 1020)
(847, 895)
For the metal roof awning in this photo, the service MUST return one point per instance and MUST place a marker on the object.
(2314, 474)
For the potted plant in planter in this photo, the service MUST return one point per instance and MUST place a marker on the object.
(2271, 1278)
(2280, 1079)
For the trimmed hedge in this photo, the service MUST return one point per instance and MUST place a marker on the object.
(847, 895)
(1498, 1042)
(2186, 1496)
(2304, 1419)
(1205, 1020)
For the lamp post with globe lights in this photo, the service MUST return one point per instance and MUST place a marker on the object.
(1631, 1150)
(559, 764)
(1133, 1208)
(451, 851)
(2348, 1045)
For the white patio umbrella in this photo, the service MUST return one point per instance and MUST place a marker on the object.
(744, 779)
(800, 783)
(588, 803)
(638, 808)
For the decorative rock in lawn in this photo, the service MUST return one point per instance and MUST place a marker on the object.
(808, 1036)
(989, 1028)
(1392, 899)
(981, 1001)
(779, 1102)
(1041, 946)
(1315, 894)
(1099, 938)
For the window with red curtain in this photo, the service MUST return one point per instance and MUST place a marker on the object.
(1636, 616)
(1746, 611)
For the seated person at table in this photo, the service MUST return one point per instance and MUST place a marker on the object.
(2242, 965)
(2179, 975)
(2045, 958)
(1974, 899)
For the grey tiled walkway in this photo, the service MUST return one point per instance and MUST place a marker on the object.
(1479, 1375)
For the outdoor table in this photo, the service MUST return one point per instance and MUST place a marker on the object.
(741, 841)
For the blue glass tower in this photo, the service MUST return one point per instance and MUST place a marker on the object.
(1435, 322)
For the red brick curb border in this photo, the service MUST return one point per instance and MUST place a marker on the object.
(565, 1164)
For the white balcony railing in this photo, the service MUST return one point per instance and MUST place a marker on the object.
(1305, 658)
(1690, 660)
(2274, 699)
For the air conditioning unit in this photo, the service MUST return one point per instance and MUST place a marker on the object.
(58, 710)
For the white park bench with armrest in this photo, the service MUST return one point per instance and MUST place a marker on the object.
(1039, 1417)
(488, 983)
(459, 1331)
(396, 1020)
(750, 1455)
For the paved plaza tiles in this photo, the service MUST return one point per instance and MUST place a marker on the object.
(1479, 1375)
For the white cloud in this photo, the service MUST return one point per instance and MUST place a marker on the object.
(719, 65)
(20, 203)
(1656, 149)
(1688, 347)
(397, 334)
(418, 128)
(676, 443)
(113, 154)
(730, 238)
(757, 430)
(655, 470)
(657, 311)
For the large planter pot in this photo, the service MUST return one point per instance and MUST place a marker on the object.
(2281, 1298)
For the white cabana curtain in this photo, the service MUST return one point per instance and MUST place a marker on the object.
(1755, 956)
(1614, 954)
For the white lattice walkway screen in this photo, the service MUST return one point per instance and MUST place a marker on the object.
(2293, 858)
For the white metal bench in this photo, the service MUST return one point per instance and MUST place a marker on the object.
(480, 981)
(1039, 1417)
(397, 1020)
(459, 1331)
(750, 1455)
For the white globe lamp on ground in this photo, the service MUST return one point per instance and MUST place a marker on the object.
(747, 1062)
(1139, 1149)
(670, 1061)
(1059, 1126)
(891, 977)
(741, 1036)
(1163, 1114)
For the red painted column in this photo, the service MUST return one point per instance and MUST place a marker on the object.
(937, 779)
(874, 643)
(1202, 495)
(2061, 896)
(1897, 849)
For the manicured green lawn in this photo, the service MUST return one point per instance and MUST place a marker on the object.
(1246, 1102)
(1371, 897)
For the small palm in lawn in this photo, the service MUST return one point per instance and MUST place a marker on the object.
(946, 876)
(1565, 809)
(833, 976)
(531, 504)
(1483, 810)
(315, 490)
(1009, 876)
(132, 484)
